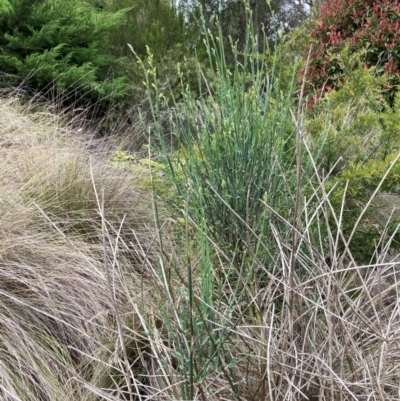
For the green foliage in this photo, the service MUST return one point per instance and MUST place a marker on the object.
(368, 27)
(354, 122)
(369, 175)
(357, 184)
(61, 44)
(359, 136)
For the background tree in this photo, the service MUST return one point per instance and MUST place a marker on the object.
(168, 31)
(156, 24)
(60, 44)
(276, 16)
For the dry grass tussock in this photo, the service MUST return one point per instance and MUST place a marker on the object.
(67, 266)
(339, 341)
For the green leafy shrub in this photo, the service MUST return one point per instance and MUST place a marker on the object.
(359, 136)
(354, 122)
(60, 45)
(371, 28)
(366, 189)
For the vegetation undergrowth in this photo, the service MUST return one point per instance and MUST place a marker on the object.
(248, 285)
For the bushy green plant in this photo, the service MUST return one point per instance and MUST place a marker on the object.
(60, 47)
(370, 28)
(231, 161)
(354, 122)
(359, 134)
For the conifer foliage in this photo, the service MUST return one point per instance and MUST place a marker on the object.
(59, 44)
(366, 26)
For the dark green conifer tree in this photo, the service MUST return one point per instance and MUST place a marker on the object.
(60, 45)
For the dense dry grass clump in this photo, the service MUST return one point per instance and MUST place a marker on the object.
(67, 269)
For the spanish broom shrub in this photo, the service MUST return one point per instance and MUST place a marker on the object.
(230, 152)
(231, 159)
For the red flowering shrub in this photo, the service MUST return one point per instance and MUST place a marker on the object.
(369, 27)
